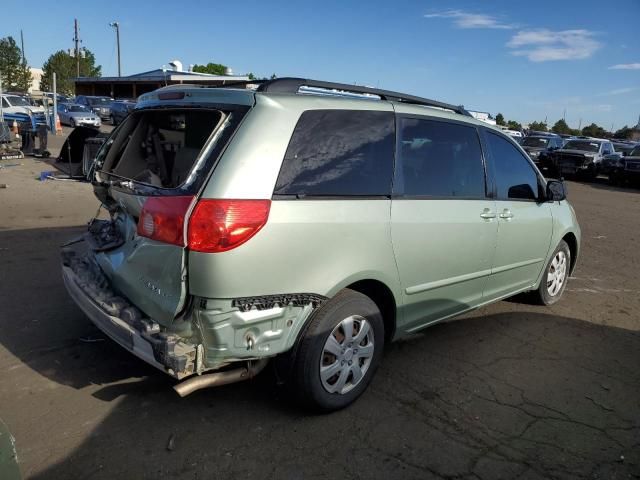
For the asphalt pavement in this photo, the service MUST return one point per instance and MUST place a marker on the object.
(512, 390)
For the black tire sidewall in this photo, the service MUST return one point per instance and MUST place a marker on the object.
(543, 293)
(307, 372)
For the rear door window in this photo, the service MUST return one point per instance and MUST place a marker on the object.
(438, 159)
(339, 153)
(515, 177)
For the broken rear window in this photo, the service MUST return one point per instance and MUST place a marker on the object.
(160, 147)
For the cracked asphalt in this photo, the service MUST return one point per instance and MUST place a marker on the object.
(511, 391)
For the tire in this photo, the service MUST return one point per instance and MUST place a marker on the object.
(113, 121)
(72, 123)
(325, 346)
(550, 291)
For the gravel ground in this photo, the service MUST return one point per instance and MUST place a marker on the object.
(509, 391)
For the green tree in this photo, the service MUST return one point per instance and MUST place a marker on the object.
(251, 76)
(561, 127)
(538, 126)
(16, 76)
(211, 68)
(624, 133)
(513, 125)
(64, 65)
(500, 120)
(594, 130)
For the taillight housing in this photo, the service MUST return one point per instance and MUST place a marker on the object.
(221, 225)
(162, 219)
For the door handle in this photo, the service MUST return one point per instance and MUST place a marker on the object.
(506, 214)
(487, 214)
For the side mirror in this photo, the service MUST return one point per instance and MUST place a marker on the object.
(556, 190)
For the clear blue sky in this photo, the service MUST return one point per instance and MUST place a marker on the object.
(528, 60)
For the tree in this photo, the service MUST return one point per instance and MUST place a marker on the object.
(538, 126)
(513, 125)
(561, 127)
(624, 133)
(16, 76)
(211, 68)
(64, 65)
(251, 76)
(594, 130)
(500, 119)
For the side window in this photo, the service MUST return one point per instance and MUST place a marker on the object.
(439, 159)
(514, 176)
(5, 104)
(607, 149)
(339, 153)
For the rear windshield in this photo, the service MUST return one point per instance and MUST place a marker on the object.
(159, 147)
(535, 142)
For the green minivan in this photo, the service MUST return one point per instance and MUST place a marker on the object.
(311, 222)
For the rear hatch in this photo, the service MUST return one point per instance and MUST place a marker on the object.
(148, 175)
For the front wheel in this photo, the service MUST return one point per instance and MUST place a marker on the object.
(555, 276)
(72, 123)
(340, 352)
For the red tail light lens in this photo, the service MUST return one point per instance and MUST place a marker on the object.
(162, 219)
(221, 225)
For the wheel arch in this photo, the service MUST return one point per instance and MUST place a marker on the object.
(383, 297)
(572, 241)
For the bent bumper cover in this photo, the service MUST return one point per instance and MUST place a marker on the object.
(117, 329)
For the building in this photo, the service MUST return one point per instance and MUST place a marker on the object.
(36, 76)
(132, 86)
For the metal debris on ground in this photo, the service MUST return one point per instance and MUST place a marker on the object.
(171, 444)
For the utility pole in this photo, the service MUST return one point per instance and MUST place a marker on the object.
(24, 62)
(116, 25)
(76, 41)
(580, 124)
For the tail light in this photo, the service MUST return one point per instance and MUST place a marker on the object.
(221, 225)
(162, 219)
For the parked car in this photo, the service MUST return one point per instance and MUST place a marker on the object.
(99, 105)
(276, 224)
(626, 169)
(75, 115)
(20, 109)
(12, 103)
(581, 156)
(120, 109)
(47, 97)
(538, 148)
(610, 161)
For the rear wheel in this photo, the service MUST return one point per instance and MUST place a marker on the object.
(555, 276)
(340, 352)
(72, 123)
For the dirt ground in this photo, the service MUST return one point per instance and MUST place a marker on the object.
(509, 391)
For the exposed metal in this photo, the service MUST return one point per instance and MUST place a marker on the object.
(220, 378)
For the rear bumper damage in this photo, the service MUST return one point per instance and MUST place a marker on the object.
(123, 322)
(215, 335)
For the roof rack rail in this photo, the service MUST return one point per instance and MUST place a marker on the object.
(292, 85)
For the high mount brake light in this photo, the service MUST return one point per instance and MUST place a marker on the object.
(221, 225)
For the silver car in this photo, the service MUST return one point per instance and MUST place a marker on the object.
(77, 115)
